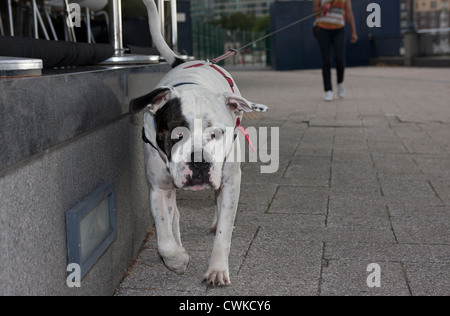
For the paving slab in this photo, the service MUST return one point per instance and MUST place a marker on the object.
(360, 181)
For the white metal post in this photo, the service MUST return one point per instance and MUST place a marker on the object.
(120, 58)
(162, 17)
(174, 20)
(116, 26)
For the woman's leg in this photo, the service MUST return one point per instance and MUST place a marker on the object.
(324, 39)
(339, 53)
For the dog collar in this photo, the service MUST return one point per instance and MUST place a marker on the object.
(183, 84)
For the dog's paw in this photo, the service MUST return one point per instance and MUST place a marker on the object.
(217, 277)
(176, 260)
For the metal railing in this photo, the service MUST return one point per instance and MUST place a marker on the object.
(434, 42)
(210, 41)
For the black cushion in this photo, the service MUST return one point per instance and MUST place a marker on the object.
(55, 53)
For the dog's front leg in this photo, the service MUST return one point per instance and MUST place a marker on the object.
(166, 217)
(227, 203)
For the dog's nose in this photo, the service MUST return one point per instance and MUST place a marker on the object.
(200, 165)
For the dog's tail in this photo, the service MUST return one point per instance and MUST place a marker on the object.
(155, 30)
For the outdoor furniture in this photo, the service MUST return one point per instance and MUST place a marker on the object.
(55, 53)
(45, 9)
(10, 21)
(20, 67)
(89, 7)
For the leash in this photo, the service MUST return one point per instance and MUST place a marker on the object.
(233, 51)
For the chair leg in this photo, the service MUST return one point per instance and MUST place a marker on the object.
(50, 22)
(88, 25)
(38, 19)
(105, 14)
(2, 30)
(70, 30)
(35, 20)
(11, 21)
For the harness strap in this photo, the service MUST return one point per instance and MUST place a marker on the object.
(145, 139)
(228, 79)
(184, 83)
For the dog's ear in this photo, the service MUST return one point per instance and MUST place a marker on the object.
(154, 100)
(238, 104)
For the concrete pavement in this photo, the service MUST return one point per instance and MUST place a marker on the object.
(361, 180)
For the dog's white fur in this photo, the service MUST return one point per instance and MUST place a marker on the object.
(207, 99)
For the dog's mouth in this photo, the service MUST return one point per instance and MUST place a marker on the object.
(196, 176)
(197, 183)
(199, 174)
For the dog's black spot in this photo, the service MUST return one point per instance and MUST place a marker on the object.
(169, 117)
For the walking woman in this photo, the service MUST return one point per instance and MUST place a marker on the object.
(330, 33)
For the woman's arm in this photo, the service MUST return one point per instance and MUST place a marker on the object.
(350, 19)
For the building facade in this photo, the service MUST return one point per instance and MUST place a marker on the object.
(432, 14)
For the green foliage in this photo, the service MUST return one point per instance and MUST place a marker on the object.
(262, 24)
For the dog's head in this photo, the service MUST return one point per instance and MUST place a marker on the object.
(194, 130)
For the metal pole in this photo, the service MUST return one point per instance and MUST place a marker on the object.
(412, 23)
(11, 22)
(116, 26)
(35, 20)
(41, 22)
(115, 29)
(50, 23)
(2, 31)
(88, 25)
(162, 17)
(174, 19)
(69, 25)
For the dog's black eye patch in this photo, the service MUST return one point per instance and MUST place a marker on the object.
(167, 119)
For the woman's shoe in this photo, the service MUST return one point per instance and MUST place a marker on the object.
(341, 90)
(329, 96)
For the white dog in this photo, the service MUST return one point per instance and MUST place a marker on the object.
(187, 124)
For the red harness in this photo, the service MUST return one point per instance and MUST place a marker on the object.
(231, 83)
(228, 79)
